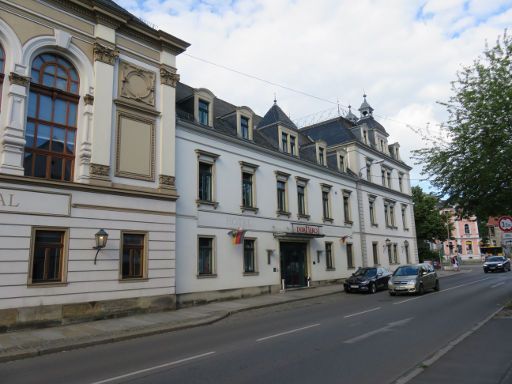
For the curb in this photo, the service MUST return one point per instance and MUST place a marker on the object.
(411, 374)
(25, 353)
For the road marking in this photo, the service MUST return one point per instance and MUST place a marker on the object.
(386, 328)
(287, 332)
(443, 290)
(362, 313)
(497, 285)
(154, 368)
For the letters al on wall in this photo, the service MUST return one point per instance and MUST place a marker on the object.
(135, 153)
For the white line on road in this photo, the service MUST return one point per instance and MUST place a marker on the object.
(380, 330)
(497, 285)
(154, 368)
(362, 313)
(443, 290)
(287, 332)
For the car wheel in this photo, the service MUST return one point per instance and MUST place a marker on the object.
(485, 271)
(437, 287)
(391, 293)
(373, 288)
(421, 290)
(347, 290)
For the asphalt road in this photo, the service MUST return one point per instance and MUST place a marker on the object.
(346, 338)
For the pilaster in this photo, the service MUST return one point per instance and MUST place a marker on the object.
(12, 137)
(101, 138)
(167, 139)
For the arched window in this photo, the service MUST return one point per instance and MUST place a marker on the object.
(51, 121)
(466, 228)
(2, 70)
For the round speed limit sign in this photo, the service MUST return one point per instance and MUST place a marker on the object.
(505, 223)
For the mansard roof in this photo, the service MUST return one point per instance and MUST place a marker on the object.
(334, 131)
(372, 124)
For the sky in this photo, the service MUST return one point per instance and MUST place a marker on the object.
(317, 57)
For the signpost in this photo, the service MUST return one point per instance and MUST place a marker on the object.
(505, 223)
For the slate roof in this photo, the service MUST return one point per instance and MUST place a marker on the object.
(275, 115)
(373, 124)
(334, 131)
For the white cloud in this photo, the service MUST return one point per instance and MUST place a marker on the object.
(402, 53)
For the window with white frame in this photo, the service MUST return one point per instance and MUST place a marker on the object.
(328, 256)
(282, 192)
(302, 209)
(346, 206)
(203, 112)
(371, 206)
(206, 177)
(288, 141)
(400, 182)
(466, 229)
(248, 186)
(205, 256)
(245, 127)
(375, 253)
(326, 202)
(342, 166)
(249, 256)
(350, 256)
(404, 217)
(369, 169)
(395, 253)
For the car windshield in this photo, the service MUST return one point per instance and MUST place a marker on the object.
(496, 258)
(366, 272)
(406, 271)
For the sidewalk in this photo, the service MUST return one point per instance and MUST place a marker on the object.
(483, 357)
(33, 342)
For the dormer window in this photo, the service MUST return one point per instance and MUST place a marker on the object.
(342, 167)
(244, 127)
(288, 141)
(321, 153)
(321, 156)
(203, 106)
(365, 136)
(292, 145)
(284, 142)
(203, 112)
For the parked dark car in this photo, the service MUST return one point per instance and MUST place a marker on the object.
(496, 263)
(413, 279)
(369, 280)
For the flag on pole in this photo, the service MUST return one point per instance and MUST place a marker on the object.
(237, 236)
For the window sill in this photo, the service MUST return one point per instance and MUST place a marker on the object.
(213, 204)
(283, 213)
(330, 269)
(133, 279)
(251, 273)
(349, 267)
(375, 225)
(347, 222)
(249, 209)
(205, 276)
(47, 284)
(328, 220)
(303, 216)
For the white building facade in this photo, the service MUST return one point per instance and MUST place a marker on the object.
(299, 200)
(87, 127)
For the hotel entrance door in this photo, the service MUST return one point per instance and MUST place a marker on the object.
(293, 264)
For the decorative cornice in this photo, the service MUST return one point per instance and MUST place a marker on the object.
(166, 181)
(88, 99)
(18, 79)
(105, 54)
(99, 170)
(168, 77)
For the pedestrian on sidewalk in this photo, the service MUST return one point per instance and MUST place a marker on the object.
(455, 263)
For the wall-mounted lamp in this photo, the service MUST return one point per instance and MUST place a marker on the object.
(101, 240)
(406, 243)
(388, 242)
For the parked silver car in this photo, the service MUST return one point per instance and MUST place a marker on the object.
(413, 279)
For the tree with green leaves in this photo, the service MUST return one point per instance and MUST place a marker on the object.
(472, 166)
(430, 223)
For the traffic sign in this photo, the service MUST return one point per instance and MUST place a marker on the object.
(505, 223)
